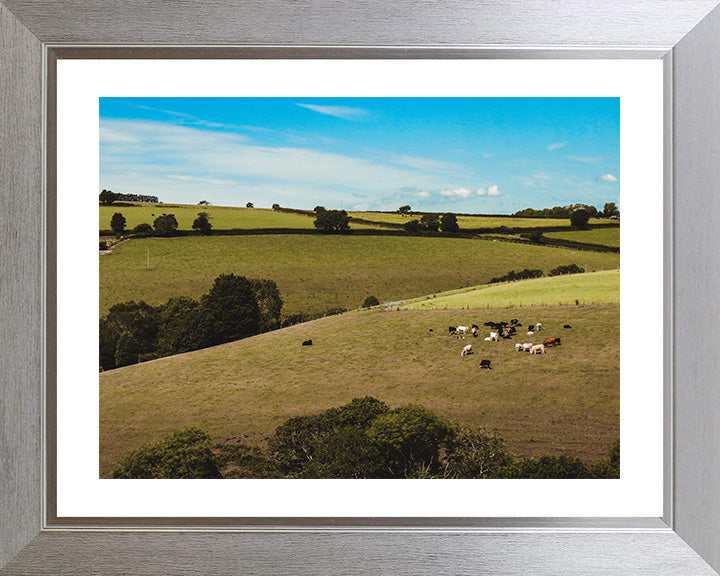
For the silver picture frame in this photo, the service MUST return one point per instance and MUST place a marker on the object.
(685, 34)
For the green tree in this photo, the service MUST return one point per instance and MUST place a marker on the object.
(610, 467)
(139, 320)
(610, 209)
(143, 230)
(412, 225)
(430, 222)
(184, 454)
(370, 301)
(233, 305)
(448, 223)
(267, 295)
(183, 326)
(332, 221)
(165, 225)
(249, 205)
(410, 440)
(202, 223)
(107, 197)
(476, 454)
(126, 352)
(579, 219)
(405, 209)
(203, 203)
(117, 223)
(558, 467)
(276, 206)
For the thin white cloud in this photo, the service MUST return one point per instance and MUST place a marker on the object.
(481, 192)
(196, 179)
(344, 112)
(494, 190)
(585, 159)
(608, 178)
(556, 146)
(457, 193)
(423, 194)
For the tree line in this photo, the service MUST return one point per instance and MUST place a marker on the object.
(608, 211)
(362, 439)
(108, 197)
(235, 307)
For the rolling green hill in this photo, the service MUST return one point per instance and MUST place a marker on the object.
(566, 401)
(317, 272)
(591, 287)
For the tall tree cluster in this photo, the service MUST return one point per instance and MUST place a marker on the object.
(235, 307)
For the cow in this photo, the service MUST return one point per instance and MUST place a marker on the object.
(527, 346)
(307, 343)
(552, 342)
(488, 339)
(518, 347)
(466, 351)
(491, 324)
(485, 364)
(451, 330)
(514, 322)
(530, 333)
(462, 329)
(531, 328)
(567, 326)
(494, 336)
(538, 327)
(537, 349)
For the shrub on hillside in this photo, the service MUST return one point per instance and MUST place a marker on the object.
(165, 225)
(184, 454)
(202, 223)
(117, 223)
(448, 223)
(143, 230)
(412, 225)
(579, 219)
(430, 222)
(370, 301)
(103, 245)
(568, 269)
(522, 275)
(332, 221)
(559, 467)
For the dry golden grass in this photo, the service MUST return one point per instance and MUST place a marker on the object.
(567, 401)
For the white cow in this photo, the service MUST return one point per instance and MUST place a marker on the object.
(462, 329)
(494, 336)
(530, 333)
(518, 347)
(537, 349)
(488, 339)
(527, 346)
(465, 351)
(538, 327)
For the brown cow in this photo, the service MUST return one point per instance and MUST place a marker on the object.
(552, 342)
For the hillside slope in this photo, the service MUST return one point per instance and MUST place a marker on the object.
(566, 401)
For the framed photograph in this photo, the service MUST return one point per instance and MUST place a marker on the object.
(233, 171)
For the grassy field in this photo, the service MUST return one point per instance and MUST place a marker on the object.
(316, 272)
(606, 236)
(566, 401)
(593, 287)
(476, 221)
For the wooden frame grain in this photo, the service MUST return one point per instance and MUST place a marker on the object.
(683, 32)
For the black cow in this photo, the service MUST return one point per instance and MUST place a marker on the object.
(451, 330)
(531, 328)
(514, 322)
(485, 364)
(567, 326)
(307, 343)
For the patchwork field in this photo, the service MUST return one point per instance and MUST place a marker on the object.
(603, 236)
(317, 272)
(566, 401)
(477, 221)
(588, 288)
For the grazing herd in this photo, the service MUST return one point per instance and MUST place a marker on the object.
(504, 330)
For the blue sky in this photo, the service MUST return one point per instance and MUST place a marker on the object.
(465, 155)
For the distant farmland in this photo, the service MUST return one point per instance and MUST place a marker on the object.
(317, 272)
(593, 287)
(605, 236)
(566, 401)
